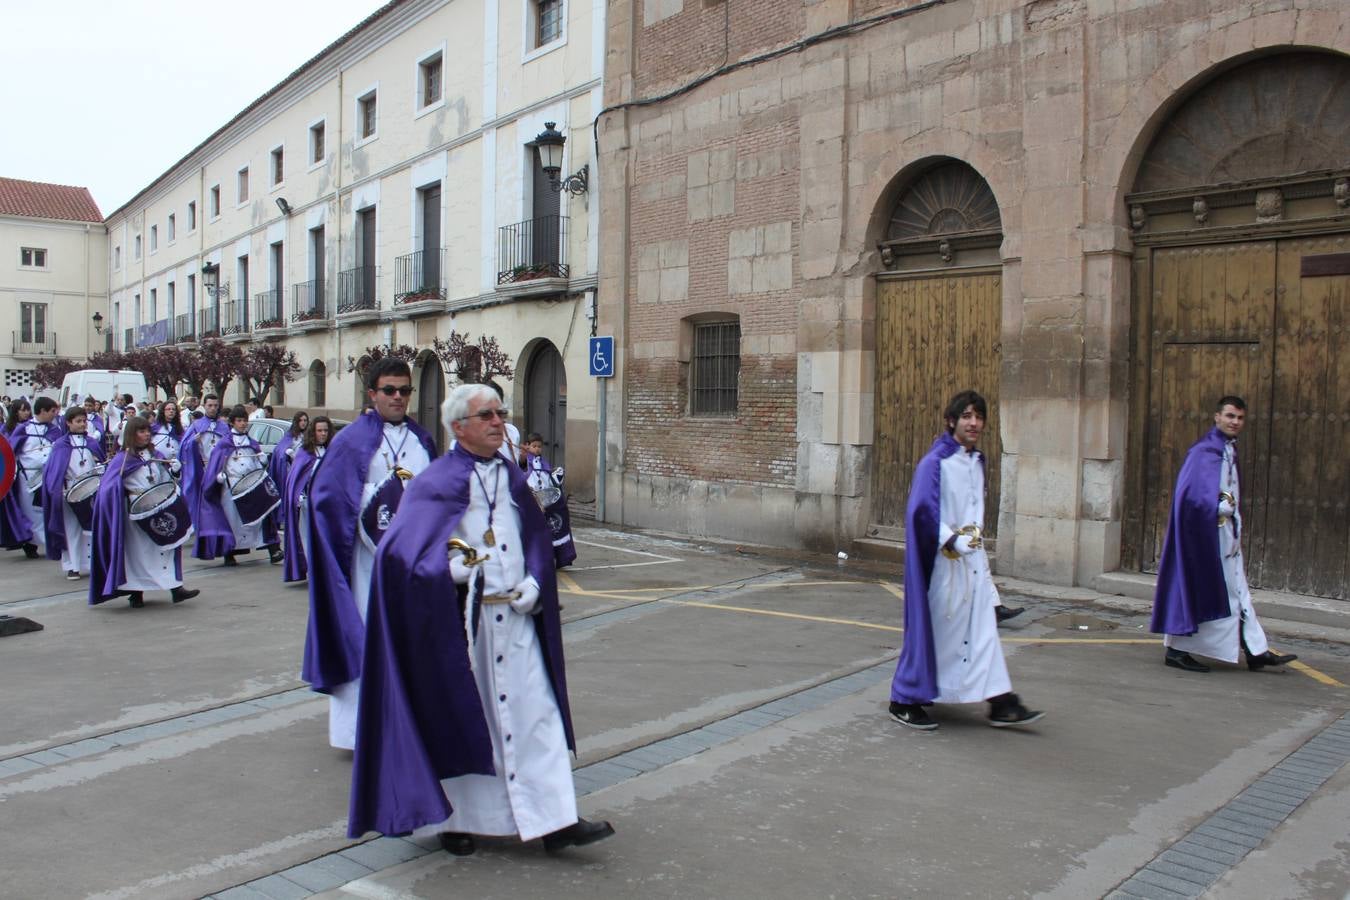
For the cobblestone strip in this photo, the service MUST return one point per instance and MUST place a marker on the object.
(336, 869)
(1193, 864)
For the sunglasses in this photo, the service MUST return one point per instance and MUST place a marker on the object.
(487, 415)
(389, 390)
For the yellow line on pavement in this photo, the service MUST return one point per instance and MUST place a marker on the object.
(783, 615)
(895, 589)
(1314, 674)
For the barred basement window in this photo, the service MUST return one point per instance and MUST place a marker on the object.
(716, 369)
(550, 18)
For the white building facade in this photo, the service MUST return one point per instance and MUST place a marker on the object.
(388, 191)
(53, 277)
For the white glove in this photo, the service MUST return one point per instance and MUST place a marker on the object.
(175, 466)
(1225, 508)
(963, 544)
(290, 452)
(558, 475)
(459, 572)
(220, 479)
(528, 601)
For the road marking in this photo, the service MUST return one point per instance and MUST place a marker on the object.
(783, 615)
(686, 589)
(656, 558)
(895, 589)
(1314, 674)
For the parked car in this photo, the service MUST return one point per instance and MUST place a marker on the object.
(269, 432)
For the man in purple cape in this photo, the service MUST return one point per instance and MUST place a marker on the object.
(220, 532)
(65, 541)
(110, 574)
(361, 461)
(32, 442)
(194, 462)
(951, 652)
(298, 477)
(1202, 602)
(442, 702)
(279, 460)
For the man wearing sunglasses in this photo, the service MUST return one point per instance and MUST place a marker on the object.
(355, 492)
(464, 727)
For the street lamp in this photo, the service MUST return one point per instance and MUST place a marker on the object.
(98, 322)
(550, 143)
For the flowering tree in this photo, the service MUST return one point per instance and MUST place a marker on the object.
(267, 365)
(215, 362)
(163, 367)
(480, 361)
(51, 372)
(374, 354)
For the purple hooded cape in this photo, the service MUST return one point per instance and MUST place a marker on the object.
(916, 679)
(193, 465)
(1191, 585)
(54, 491)
(15, 529)
(215, 537)
(107, 571)
(278, 466)
(297, 482)
(335, 633)
(420, 718)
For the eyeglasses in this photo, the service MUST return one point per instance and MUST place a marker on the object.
(487, 415)
(389, 390)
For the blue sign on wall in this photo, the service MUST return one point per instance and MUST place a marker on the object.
(602, 357)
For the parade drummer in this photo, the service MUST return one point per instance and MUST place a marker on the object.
(353, 498)
(308, 452)
(194, 450)
(97, 429)
(75, 456)
(167, 431)
(32, 442)
(16, 532)
(951, 652)
(1202, 602)
(464, 726)
(126, 560)
(229, 523)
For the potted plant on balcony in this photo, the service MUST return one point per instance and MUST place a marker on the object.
(420, 294)
(530, 273)
(309, 315)
(269, 323)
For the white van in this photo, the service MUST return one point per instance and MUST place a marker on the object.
(102, 384)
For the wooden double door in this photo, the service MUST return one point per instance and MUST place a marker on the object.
(1259, 320)
(935, 335)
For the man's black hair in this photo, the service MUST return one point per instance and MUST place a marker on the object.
(1231, 400)
(75, 412)
(237, 412)
(534, 436)
(387, 366)
(211, 397)
(958, 404)
(42, 404)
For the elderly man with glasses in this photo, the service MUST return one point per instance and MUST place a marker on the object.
(464, 727)
(353, 498)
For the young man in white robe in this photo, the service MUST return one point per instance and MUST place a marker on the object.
(34, 440)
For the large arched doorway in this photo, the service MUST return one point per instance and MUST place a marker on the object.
(1242, 286)
(430, 396)
(938, 315)
(546, 401)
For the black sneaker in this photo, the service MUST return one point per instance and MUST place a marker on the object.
(72, 576)
(1007, 710)
(912, 715)
(1004, 613)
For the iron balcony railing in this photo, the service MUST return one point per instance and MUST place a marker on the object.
(208, 323)
(234, 317)
(535, 248)
(129, 340)
(358, 289)
(39, 347)
(309, 301)
(268, 309)
(184, 328)
(417, 276)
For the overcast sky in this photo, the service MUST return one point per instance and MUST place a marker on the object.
(109, 93)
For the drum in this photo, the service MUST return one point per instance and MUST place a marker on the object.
(162, 513)
(255, 495)
(80, 496)
(378, 514)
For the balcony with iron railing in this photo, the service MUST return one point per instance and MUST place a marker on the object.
(34, 343)
(309, 303)
(532, 251)
(208, 323)
(358, 294)
(269, 310)
(184, 329)
(234, 321)
(418, 281)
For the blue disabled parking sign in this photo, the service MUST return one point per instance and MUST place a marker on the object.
(602, 357)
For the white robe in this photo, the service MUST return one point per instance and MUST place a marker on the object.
(411, 455)
(1219, 639)
(148, 566)
(165, 443)
(31, 463)
(962, 596)
(240, 463)
(532, 793)
(79, 543)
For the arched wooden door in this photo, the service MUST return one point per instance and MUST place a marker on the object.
(546, 401)
(430, 396)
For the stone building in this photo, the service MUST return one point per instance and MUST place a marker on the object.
(52, 277)
(389, 190)
(823, 217)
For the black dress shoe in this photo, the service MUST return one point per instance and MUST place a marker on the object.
(1269, 658)
(577, 835)
(137, 599)
(276, 555)
(1004, 613)
(1179, 660)
(180, 594)
(230, 560)
(31, 551)
(457, 842)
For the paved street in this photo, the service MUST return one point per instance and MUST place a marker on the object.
(730, 711)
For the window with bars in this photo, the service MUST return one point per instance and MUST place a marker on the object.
(32, 323)
(430, 72)
(366, 115)
(550, 19)
(716, 369)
